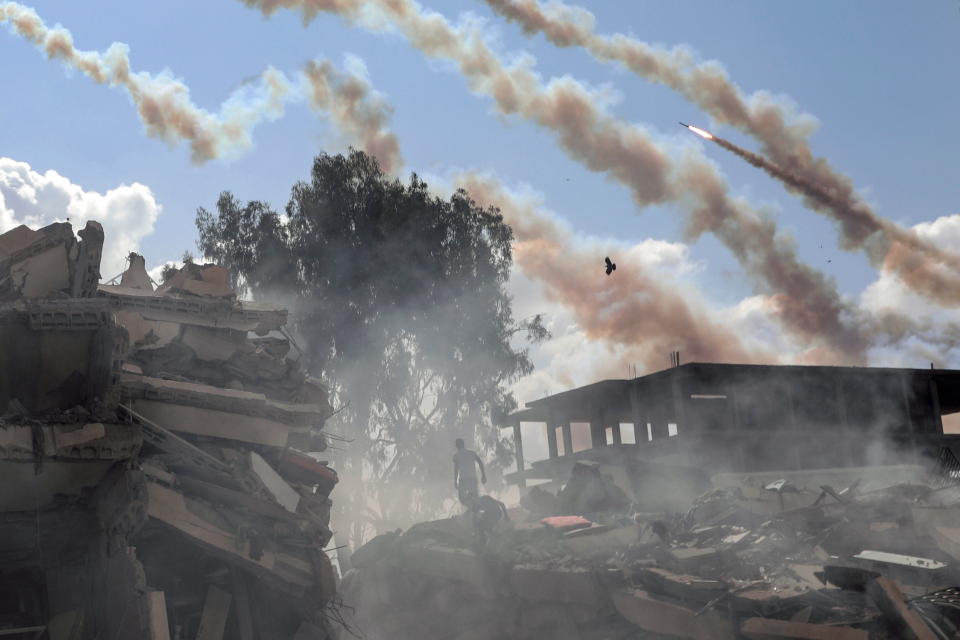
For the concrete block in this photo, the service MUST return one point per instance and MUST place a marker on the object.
(276, 486)
(602, 540)
(443, 562)
(766, 629)
(217, 424)
(571, 585)
(154, 605)
(215, 611)
(208, 344)
(658, 616)
(693, 556)
(540, 615)
(171, 507)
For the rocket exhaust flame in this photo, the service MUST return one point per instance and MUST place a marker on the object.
(699, 132)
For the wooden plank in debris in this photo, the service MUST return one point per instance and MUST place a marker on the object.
(766, 629)
(240, 593)
(893, 605)
(215, 612)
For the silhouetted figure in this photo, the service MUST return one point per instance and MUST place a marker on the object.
(487, 512)
(611, 267)
(465, 472)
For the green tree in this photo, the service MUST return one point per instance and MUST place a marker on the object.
(399, 299)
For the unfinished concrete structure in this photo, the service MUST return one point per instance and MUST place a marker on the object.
(156, 474)
(749, 418)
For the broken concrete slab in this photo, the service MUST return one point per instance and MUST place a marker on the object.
(209, 344)
(43, 273)
(540, 614)
(571, 585)
(276, 486)
(647, 612)
(51, 250)
(605, 540)
(290, 573)
(153, 607)
(443, 562)
(218, 424)
(296, 417)
(80, 442)
(57, 354)
(904, 569)
(766, 629)
(215, 612)
(261, 318)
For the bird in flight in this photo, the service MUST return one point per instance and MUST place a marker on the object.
(611, 267)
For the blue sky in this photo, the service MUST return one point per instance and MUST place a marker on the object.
(881, 78)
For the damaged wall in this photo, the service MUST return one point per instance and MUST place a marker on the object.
(141, 421)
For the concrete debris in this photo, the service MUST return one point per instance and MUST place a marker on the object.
(156, 476)
(736, 563)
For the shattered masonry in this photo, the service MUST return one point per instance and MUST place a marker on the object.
(745, 509)
(160, 470)
(758, 560)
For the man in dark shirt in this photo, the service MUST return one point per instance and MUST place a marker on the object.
(487, 512)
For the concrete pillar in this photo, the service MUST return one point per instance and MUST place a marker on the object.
(935, 398)
(790, 408)
(841, 405)
(639, 421)
(598, 428)
(567, 436)
(552, 435)
(735, 399)
(678, 405)
(518, 446)
(906, 405)
(617, 435)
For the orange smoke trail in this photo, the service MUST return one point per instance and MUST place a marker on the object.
(625, 152)
(633, 309)
(167, 112)
(926, 269)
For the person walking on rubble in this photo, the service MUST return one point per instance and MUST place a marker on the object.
(465, 472)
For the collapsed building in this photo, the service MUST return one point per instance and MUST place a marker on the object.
(160, 457)
(754, 502)
(159, 454)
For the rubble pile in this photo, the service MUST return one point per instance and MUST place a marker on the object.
(756, 561)
(160, 464)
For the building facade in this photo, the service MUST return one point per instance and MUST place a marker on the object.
(727, 418)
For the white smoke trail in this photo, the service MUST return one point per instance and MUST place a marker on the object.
(166, 110)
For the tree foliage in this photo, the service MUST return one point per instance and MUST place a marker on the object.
(398, 298)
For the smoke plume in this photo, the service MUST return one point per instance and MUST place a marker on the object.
(922, 266)
(634, 309)
(810, 305)
(166, 110)
(782, 133)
